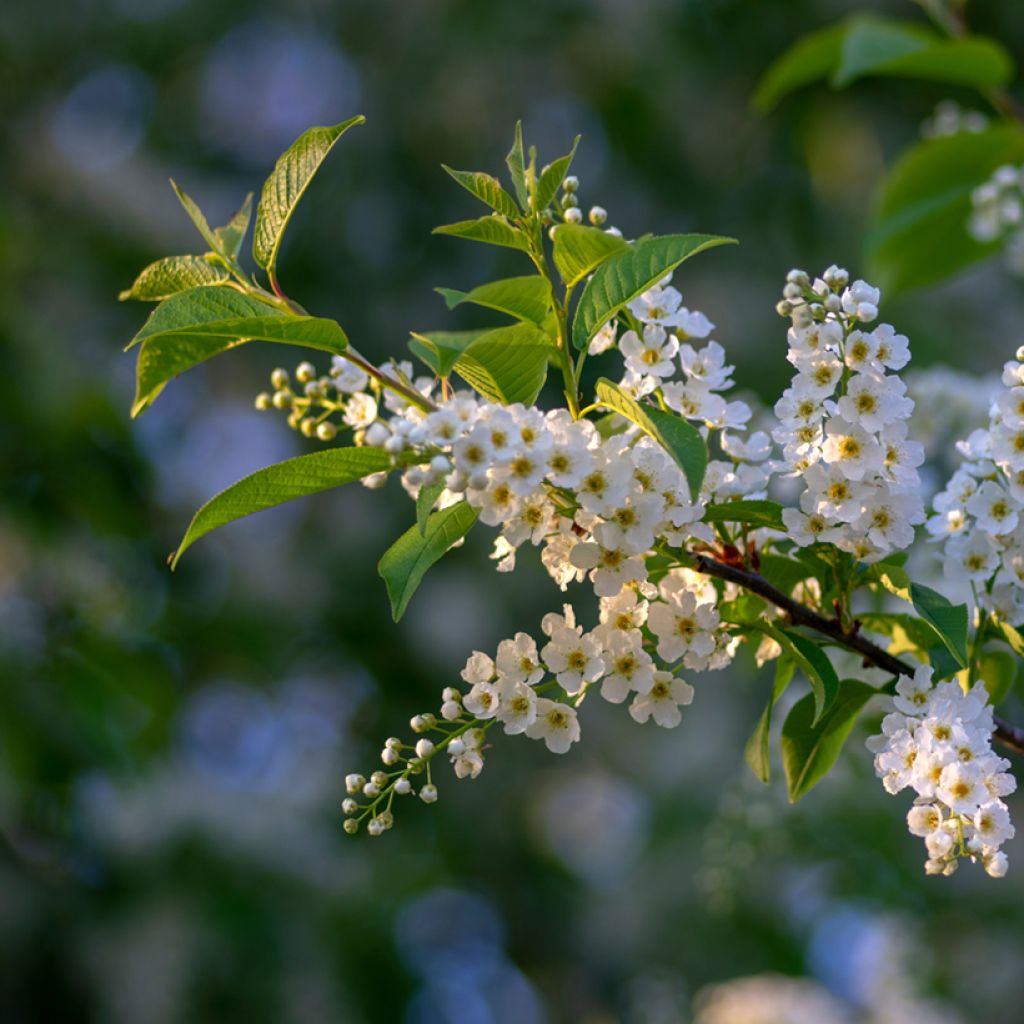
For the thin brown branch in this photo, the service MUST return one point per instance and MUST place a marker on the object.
(1008, 735)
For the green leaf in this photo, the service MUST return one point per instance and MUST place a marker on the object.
(949, 620)
(525, 298)
(893, 578)
(919, 235)
(493, 230)
(756, 751)
(552, 176)
(579, 249)
(487, 189)
(232, 234)
(622, 277)
(997, 669)
(815, 664)
(405, 563)
(811, 744)
(1010, 635)
(197, 217)
(516, 163)
(756, 513)
(425, 502)
(809, 59)
(876, 46)
(173, 274)
(508, 364)
(680, 439)
(288, 181)
(284, 481)
(440, 350)
(907, 632)
(784, 573)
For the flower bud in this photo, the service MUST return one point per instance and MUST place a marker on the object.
(421, 723)
(351, 826)
(314, 389)
(570, 202)
(597, 215)
(571, 183)
(308, 426)
(264, 401)
(390, 756)
(371, 790)
(428, 793)
(375, 827)
(403, 786)
(305, 372)
(282, 399)
(326, 431)
(349, 806)
(457, 747)
(450, 711)
(379, 778)
(451, 693)
(354, 783)
(573, 215)
(279, 379)
(424, 747)
(784, 308)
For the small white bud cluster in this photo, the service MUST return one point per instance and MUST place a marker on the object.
(938, 741)
(949, 118)
(998, 214)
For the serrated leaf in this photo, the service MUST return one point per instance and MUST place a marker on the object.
(680, 439)
(288, 181)
(810, 59)
(756, 513)
(811, 745)
(579, 249)
(492, 230)
(407, 560)
(920, 230)
(815, 664)
(516, 163)
(622, 277)
(949, 620)
(525, 298)
(232, 234)
(425, 502)
(552, 176)
(440, 350)
(171, 275)
(487, 189)
(282, 482)
(197, 217)
(508, 364)
(756, 753)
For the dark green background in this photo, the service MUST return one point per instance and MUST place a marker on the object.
(172, 747)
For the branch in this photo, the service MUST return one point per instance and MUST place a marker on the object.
(1009, 735)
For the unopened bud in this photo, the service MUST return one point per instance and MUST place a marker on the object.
(403, 786)
(279, 379)
(282, 399)
(428, 793)
(351, 826)
(326, 431)
(597, 216)
(571, 183)
(264, 401)
(305, 372)
(349, 806)
(354, 783)
(573, 215)
(424, 747)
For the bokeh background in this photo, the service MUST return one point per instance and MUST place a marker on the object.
(172, 747)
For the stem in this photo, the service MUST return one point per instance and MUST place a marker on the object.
(1009, 736)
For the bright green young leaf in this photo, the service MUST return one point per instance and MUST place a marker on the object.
(487, 189)
(508, 364)
(756, 751)
(811, 744)
(907, 632)
(949, 620)
(197, 218)
(680, 439)
(1011, 636)
(622, 277)
(493, 230)
(516, 163)
(756, 513)
(425, 502)
(552, 176)
(745, 609)
(919, 235)
(288, 181)
(998, 669)
(405, 563)
(440, 350)
(815, 664)
(525, 298)
(171, 275)
(810, 59)
(284, 481)
(578, 249)
(232, 234)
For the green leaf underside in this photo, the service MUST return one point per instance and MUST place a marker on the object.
(492, 230)
(487, 189)
(507, 364)
(286, 184)
(440, 350)
(680, 439)
(624, 276)
(815, 664)
(425, 502)
(811, 744)
(282, 482)
(756, 751)
(232, 234)
(552, 176)
(756, 513)
(405, 563)
(949, 620)
(919, 234)
(579, 249)
(516, 163)
(525, 298)
(172, 275)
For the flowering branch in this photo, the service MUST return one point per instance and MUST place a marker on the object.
(1008, 735)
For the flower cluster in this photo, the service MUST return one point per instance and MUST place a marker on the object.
(998, 214)
(938, 741)
(949, 118)
(980, 513)
(843, 420)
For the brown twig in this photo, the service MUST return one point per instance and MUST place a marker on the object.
(1008, 735)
